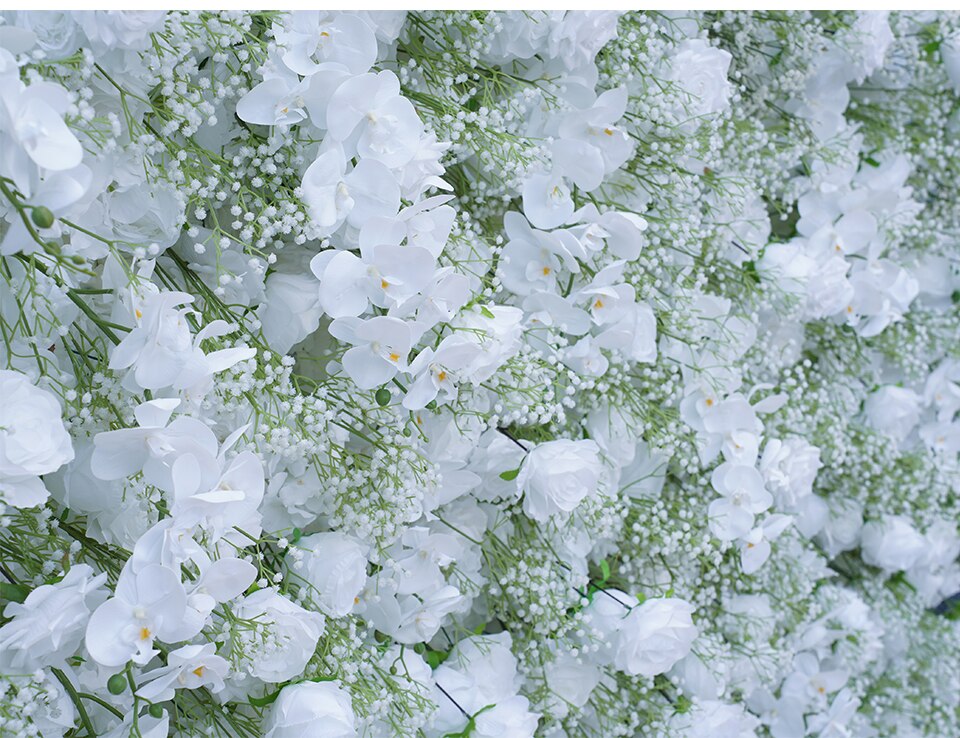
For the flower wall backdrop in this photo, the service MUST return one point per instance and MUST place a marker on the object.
(479, 374)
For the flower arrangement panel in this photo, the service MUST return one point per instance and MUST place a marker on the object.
(479, 374)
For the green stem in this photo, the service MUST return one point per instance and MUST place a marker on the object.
(84, 718)
(104, 326)
(103, 703)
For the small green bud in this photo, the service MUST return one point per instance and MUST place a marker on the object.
(116, 684)
(42, 217)
(382, 396)
(78, 260)
(156, 711)
(407, 432)
(52, 248)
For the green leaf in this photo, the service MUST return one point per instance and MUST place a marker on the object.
(605, 570)
(465, 733)
(13, 592)
(471, 724)
(435, 658)
(641, 597)
(482, 710)
(509, 476)
(265, 700)
(486, 312)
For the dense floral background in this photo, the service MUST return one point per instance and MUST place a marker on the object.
(479, 374)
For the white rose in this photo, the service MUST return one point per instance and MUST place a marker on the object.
(56, 31)
(609, 428)
(572, 680)
(498, 337)
(950, 53)
(787, 266)
(33, 440)
(336, 566)
(603, 618)
(120, 29)
(697, 679)
(556, 476)
(828, 289)
(634, 335)
(510, 718)
(892, 544)
(893, 410)
(869, 40)
(48, 626)
(789, 468)
(711, 718)
(142, 214)
(655, 636)
(701, 71)
(291, 311)
(312, 710)
(943, 544)
(841, 531)
(291, 635)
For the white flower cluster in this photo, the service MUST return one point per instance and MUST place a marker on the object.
(479, 374)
